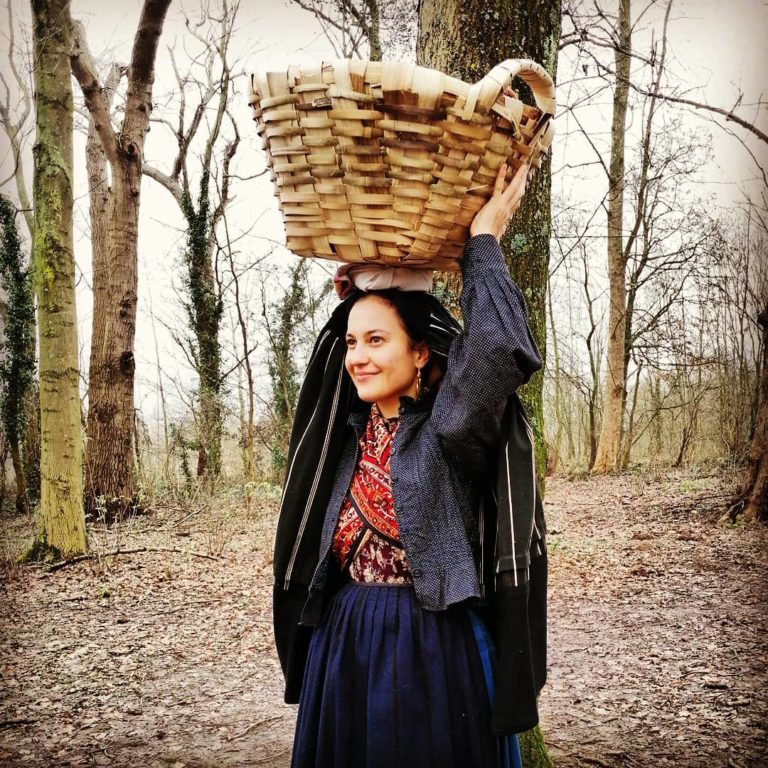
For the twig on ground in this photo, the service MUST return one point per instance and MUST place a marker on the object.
(271, 758)
(133, 551)
(252, 726)
(595, 761)
(16, 721)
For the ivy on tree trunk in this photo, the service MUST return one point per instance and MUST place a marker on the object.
(17, 365)
(204, 309)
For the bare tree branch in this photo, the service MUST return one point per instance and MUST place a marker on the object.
(171, 184)
(729, 114)
(87, 76)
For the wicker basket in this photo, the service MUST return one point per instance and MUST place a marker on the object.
(387, 163)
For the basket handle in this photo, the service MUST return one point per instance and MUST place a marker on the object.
(486, 91)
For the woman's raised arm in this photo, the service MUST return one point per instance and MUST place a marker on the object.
(496, 352)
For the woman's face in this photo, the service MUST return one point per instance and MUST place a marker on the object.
(380, 356)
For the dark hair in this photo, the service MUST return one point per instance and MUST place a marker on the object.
(410, 307)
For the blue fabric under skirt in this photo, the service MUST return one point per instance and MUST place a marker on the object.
(391, 685)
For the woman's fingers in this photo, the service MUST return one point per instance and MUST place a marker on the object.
(494, 216)
(516, 188)
(498, 187)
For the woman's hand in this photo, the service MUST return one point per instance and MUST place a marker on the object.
(494, 216)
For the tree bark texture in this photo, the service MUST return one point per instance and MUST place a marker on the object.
(31, 438)
(108, 476)
(466, 39)
(62, 522)
(756, 487)
(608, 458)
(114, 220)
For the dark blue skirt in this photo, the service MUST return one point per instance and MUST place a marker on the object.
(391, 685)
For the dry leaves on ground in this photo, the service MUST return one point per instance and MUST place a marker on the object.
(157, 658)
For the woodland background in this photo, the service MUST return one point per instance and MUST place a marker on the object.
(154, 328)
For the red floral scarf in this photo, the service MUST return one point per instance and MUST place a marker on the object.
(368, 505)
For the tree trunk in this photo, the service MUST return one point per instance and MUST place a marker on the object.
(554, 459)
(467, 39)
(752, 503)
(22, 503)
(31, 438)
(108, 476)
(374, 30)
(62, 522)
(282, 330)
(614, 384)
(115, 218)
(205, 309)
(629, 437)
(246, 421)
(15, 126)
(111, 379)
(657, 417)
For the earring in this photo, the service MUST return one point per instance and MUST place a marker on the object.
(418, 383)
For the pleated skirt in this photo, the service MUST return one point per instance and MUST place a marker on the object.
(391, 685)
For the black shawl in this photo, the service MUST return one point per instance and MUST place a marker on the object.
(515, 610)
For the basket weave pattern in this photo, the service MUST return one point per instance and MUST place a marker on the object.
(387, 163)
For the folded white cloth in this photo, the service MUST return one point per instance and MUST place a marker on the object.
(369, 277)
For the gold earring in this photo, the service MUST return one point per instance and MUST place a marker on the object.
(418, 383)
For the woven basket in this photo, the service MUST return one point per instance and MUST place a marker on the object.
(387, 163)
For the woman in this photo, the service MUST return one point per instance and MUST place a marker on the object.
(386, 581)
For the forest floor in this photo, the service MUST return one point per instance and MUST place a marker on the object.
(657, 655)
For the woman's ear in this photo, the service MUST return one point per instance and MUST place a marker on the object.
(423, 353)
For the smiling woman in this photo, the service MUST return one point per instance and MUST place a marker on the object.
(385, 357)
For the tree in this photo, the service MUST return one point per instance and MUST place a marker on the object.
(608, 454)
(282, 320)
(753, 503)
(203, 204)
(109, 480)
(17, 365)
(17, 120)
(639, 254)
(62, 522)
(241, 328)
(466, 40)
(751, 500)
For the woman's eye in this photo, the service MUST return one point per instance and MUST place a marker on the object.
(376, 339)
(350, 343)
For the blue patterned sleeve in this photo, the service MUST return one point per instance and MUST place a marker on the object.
(488, 361)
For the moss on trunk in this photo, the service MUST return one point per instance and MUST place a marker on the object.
(62, 522)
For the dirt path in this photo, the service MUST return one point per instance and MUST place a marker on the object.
(657, 639)
(658, 627)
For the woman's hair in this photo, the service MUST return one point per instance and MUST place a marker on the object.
(410, 308)
(415, 315)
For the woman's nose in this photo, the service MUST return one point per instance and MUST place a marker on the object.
(357, 355)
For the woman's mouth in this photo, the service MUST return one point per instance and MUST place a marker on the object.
(364, 376)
